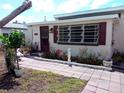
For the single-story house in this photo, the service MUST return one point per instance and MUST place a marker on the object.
(100, 31)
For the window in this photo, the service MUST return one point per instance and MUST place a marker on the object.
(79, 34)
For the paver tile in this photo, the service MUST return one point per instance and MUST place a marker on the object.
(115, 79)
(97, 74)
(106, 75)
(115, 87)
(115, 74)
(85, 76)
(89, 71)
(101, 91)
(87, 91)
(122, 78)
(93, 82)
(104, 84)
(122, 91)
(77, 75)
(122, 88)
(90, 88)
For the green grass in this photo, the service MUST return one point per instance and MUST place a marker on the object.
(34, 81)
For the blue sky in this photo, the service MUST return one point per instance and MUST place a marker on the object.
(49, 8)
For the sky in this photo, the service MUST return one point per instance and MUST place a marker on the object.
(49, 8)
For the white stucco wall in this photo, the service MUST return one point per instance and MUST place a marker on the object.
(105, 50)
(29, 35)
(34, 38)
(118, 34)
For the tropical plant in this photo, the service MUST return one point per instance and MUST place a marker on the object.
(16, 39)
(11, 43)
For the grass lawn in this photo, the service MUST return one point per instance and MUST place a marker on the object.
(33, 81)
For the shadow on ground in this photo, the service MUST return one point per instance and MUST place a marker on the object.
(7, 81)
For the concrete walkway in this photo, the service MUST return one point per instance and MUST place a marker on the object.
(99, 81)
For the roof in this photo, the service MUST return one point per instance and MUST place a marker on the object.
(88, 13)
(70, 21)
(16, 26)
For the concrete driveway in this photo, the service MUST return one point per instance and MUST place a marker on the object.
(99, 81)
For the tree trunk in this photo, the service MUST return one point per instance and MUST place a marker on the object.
(16, 58)
(26, 5)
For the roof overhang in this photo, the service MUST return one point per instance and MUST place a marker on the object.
(93, 18)
(108, 10)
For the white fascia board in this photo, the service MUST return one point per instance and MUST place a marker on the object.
(94, 18)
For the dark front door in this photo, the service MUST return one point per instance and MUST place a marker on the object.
(44, 38)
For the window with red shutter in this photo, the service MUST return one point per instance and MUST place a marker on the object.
(86, 34)
(102, 33)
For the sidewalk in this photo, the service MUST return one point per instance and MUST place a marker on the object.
(99, 81)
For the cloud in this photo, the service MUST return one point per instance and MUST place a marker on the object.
(98, 3)
(43, 5)
(7, 6)
(72, 5)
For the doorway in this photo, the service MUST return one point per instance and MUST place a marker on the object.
(44, 38)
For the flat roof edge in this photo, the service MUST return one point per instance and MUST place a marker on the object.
(75, 20)
(119, 8)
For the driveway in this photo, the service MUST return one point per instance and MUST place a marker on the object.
(99, 81)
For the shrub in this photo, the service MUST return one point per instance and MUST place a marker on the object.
(89, 58)
(84, 57)
(51, 54)
(117, 57)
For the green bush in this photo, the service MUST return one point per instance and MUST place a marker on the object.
(89, 58)
(11, 43)
(84, 57)
(51, 54)
(117, 57)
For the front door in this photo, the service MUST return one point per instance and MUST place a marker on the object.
(44, 38)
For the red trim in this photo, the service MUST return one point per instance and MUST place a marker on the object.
(55, 29)
(102, 33)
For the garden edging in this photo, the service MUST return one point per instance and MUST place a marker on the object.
(74, 63)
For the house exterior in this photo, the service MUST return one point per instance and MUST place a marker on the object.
(98, 31)
(7, 29)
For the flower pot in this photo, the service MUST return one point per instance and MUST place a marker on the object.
(107, 63)
(18, 72)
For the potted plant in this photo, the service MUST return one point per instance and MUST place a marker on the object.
(16, 40)
(107, 62)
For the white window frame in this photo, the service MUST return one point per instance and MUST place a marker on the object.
(82, 34)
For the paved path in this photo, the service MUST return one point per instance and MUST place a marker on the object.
(99, 81)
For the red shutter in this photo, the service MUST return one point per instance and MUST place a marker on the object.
(102, 33)
(55, 34)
